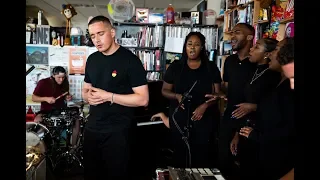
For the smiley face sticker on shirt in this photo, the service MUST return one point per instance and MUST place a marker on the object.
(114, 73)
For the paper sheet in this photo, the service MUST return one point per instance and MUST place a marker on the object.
(174, 44)
(58, 56)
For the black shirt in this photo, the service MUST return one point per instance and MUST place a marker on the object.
(117, 73)
(237, 73)
(182, 77)
(261, 84)
(275, 131)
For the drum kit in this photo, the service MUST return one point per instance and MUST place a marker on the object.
(53, 136)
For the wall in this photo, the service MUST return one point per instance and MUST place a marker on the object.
(214, 5)
(195, 7)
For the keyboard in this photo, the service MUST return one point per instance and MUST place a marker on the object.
(195, 174)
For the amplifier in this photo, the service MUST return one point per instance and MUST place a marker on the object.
(195, 174)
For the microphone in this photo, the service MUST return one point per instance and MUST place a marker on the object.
(186, 95)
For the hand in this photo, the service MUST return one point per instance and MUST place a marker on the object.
(245, 131)
(234, 144)
(215, 96)
(98, 96)
(68, 97)
(158, 115)
(198, 113)
(179, 98)
(243, 109)
(163, 117)
(50, 100)
(212, 97)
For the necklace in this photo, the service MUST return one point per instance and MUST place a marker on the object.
(256, 75)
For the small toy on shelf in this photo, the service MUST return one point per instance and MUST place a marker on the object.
(289, 12)
(289, 29)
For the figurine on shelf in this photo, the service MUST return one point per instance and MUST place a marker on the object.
(289, 29)
(54, 38)
(68, 11)
(88, 41)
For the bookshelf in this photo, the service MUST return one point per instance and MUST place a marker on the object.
(278, 14)
(266, 16)
(146, 40)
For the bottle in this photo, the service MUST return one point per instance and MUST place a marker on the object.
(40, 17)
(170, 14)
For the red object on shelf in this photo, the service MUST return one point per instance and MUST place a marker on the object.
(30, 115)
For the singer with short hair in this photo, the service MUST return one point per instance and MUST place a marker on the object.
(115, 82)
(194, 66)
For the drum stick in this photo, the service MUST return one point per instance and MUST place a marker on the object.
(61, 95)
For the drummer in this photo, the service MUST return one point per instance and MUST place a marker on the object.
(52, 92)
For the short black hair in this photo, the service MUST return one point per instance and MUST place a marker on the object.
(58, 69)
(248, 26)
(286, 52)
(270, 44)
(100, 19)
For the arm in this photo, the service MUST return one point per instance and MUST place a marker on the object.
(163, 117)
(39, 99)
(137, 77)
(289, 175)
(167, 91)
(168, 82)
(38, 94)
(140, 97)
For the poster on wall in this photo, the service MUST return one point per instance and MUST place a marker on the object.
(77, 60)
(91, 50)
(58, 56)
(32, 79)
(76, 82)
(37, 54)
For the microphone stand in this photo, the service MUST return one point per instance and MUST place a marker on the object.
(186, 133)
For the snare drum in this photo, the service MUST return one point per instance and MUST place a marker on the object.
(35, 135)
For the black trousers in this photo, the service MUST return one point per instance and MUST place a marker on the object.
(248, 157)
(201, 143)
(227, 129)
(107, 155)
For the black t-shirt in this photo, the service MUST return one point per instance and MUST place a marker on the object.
(117, 73)
(275, 131)
(182, 77)
(262, 85)
(237, 73)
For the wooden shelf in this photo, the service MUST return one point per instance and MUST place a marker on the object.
(240, 6)
(261, 22)
(284, 21)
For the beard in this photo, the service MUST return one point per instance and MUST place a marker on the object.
(240, 45)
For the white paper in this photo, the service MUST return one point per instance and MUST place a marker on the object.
(91, 50)
(58, 56)
(174, 44)
(75, 84)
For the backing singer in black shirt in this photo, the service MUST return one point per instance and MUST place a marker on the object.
(179, 78)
